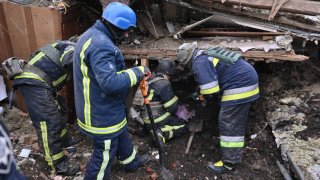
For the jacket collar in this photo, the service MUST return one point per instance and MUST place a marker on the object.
(101, 27)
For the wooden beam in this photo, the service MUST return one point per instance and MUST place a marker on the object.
(232, 33)
(155, 54)
(296, 6)
(281, 19)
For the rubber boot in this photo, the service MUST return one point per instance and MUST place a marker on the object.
(144, 159)
(221, 168)
(65, 168)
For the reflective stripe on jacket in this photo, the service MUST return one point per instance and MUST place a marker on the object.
(101, 83)
(56, 73)
(237, 83)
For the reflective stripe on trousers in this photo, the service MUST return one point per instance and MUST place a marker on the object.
(106, 158)
(232, 141)
(171, 129)
(158, 119)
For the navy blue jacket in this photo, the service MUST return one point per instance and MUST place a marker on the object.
(237, 83)
(160, 90)
(101, 84)
(57, 74)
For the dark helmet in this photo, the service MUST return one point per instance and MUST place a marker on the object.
(166, 66)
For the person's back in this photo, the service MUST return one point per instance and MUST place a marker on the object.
(228, 75)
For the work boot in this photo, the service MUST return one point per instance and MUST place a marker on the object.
(144, 159)
(65, 168)
(220, 167)
(69, 141)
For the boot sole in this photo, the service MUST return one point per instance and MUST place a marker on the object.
(225, 172)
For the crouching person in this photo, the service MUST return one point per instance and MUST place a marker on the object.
(39, 81)
(164, 103)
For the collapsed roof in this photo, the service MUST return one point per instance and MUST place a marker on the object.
(261, 29)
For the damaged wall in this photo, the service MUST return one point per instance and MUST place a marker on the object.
(24, 29)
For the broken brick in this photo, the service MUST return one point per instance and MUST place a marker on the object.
(154, 176)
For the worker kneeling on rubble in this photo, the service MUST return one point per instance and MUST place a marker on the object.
(164, 103)
(39, 81)
(101, 88)
(218, 70)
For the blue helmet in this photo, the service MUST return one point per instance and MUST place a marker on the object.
(120, 15)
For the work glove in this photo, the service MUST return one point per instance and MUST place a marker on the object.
(146, 72)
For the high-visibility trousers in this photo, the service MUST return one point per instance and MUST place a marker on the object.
(104, 152)
(48, 120)
(232, 127)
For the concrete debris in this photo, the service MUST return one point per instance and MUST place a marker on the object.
(288, 122)
(314, 171)
(313, 18)
(87, 155)
(285, 42)
(136, 41)
(291, 101)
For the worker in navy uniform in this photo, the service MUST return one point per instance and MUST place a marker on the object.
(101, 85)
(39, 82)
(219, 71)
(8, 167)
(164, 103)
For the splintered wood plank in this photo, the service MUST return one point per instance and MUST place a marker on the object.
(232, 33)
(20, 29)
(296, 6)
(5, 43)
(155, 54)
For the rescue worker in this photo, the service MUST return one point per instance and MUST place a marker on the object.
(39, 82)
(164, 103)
(101, 87)
(221, 71)
(8, 167)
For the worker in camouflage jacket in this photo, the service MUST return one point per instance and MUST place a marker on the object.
(101, 87)
(164, 103)
(225, 72)
(39, 81)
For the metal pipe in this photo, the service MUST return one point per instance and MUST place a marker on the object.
(284, 171)
(295, 167)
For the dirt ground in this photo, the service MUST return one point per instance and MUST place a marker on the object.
(261, 152)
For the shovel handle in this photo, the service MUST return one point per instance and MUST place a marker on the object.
(189, 142)
(144, 91)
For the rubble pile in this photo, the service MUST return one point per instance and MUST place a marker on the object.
(294, 120)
